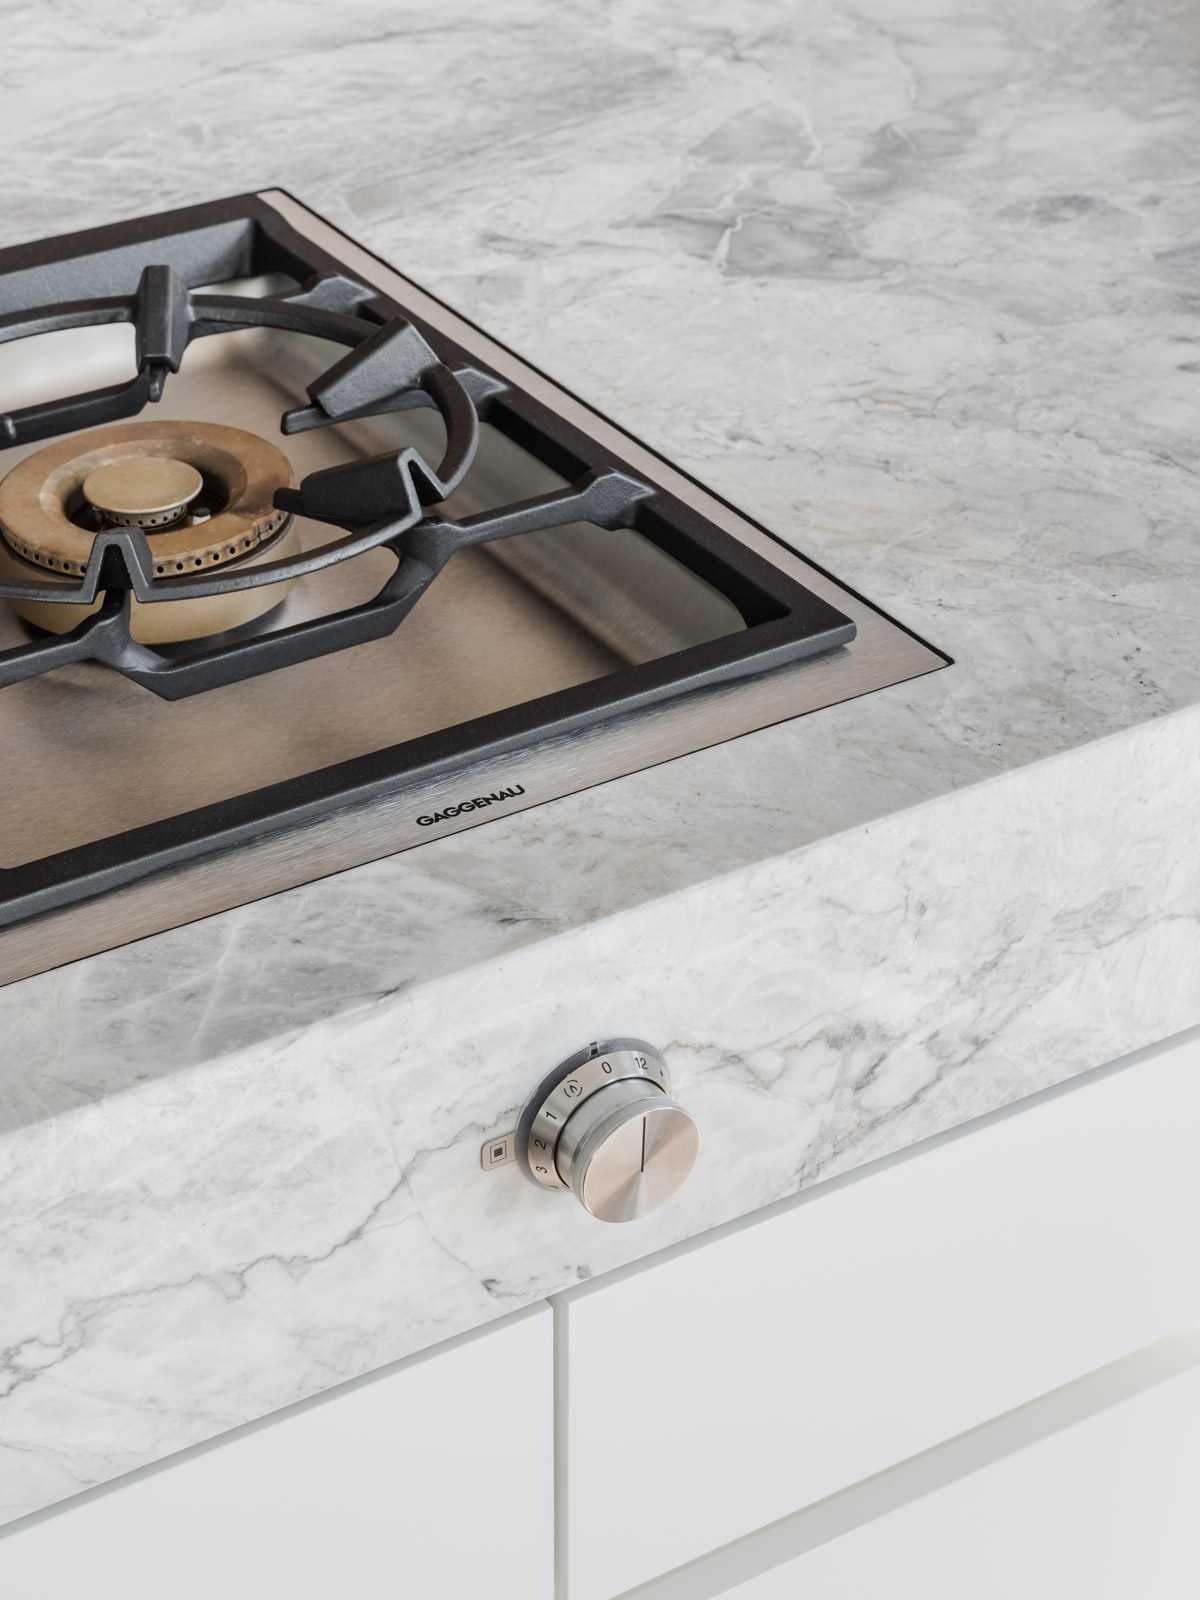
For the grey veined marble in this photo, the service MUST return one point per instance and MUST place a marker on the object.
(916, 286)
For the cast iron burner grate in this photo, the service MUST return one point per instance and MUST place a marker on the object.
(390, 366)
(495, 597)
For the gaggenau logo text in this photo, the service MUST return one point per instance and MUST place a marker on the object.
(475, 804)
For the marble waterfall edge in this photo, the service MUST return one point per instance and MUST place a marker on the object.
(210, 1243)
(927, 280)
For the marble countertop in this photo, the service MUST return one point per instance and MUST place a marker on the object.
(913, 285)
(915, 288)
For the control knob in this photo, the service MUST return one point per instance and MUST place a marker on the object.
(603, 1124)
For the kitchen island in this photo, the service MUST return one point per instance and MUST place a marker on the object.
(915, 289)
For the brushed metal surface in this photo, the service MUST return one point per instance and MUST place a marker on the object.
(603, 1124)
(563, 1093)
(638, 1154)
(486, 636)
(492, 633)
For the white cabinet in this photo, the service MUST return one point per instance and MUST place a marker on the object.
(414, 1483)
(717, 1391)
(1106, 1509)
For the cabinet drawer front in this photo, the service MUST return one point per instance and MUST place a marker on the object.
(1105, 1509)
(711, 1393)
(414, 1483)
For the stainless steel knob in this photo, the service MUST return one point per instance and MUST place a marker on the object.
(604, 1125)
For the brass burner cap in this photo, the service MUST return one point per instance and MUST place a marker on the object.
(147, 469)
(143, 491)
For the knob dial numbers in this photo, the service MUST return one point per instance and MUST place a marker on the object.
(563, 1094)
(604, 1125)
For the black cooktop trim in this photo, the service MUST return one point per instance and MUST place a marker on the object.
(244, 236)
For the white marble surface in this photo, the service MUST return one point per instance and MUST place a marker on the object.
(914, 285)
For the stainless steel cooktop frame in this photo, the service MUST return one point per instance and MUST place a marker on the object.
(457, 793)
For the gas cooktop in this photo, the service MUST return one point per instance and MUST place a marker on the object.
(299, 568)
